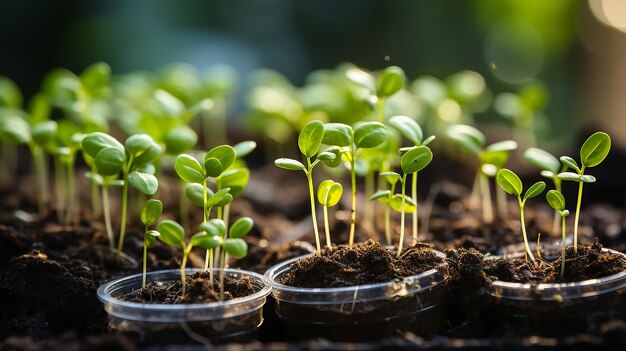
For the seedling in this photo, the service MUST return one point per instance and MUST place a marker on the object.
(557, 202)
(365, 136)
(328, 194)
(592, 153)
(511, 183)
(131, 159)
(491, 159)
(409, 129)
(150, 214)
(390, 81)
(391, 200)
(550, 168)
(309, 142)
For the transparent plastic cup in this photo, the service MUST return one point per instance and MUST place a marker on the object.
(363, 312)
(557, 308)
(216, 322)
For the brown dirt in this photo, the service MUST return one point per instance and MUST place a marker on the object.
(198, 290)
(365, 263)
(588, 263)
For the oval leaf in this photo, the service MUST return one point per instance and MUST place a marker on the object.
(416, 159)
(391, 177)
(195, 194)
(144, 183)
(542, 159)
(381, 194)
(391, 81)
(151, 212)
(370, 134)
(329, 193)
(310, 138)
(595, 149)
(337, 134)
(244, 148)
(408, 127)
(180, 139)
(535, 190)
(287, 163)
(570, 162)
(236, 247)
(189, 169)
(95, 142)
(509, 181)
(396, 204)
(205, 241)
(555, 200)
(137, 144)
(214, 227)
(172, 233)
(110, 161)
(225, 154)
(467, 137)
(241, 227)
(569, 176)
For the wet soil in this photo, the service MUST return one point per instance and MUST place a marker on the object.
(199, 289)
(365, 263)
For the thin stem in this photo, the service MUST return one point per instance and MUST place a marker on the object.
(578, 202)
(402, 216)
(326, 227)
(183, 279)
(526, 246)
(59, 175)
(222, 266)
(388, 225)
(555, 220)
(211, 268)
(486, 199)
(107, 216)
(353, 209)
(71, 195)
(369, 205)
(380, 104)
(503, 211)
(415, 215)
(95, 197)
(145, 259)
(120, 243)
(39, 164)
(204, 200)
(226, 215)
(313, 215)
(475, 195)
(562, 246)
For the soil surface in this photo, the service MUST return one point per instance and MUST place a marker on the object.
(199, 289)
(589, 262)
(365, 263)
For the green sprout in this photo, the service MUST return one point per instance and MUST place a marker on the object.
(328, 194)
(409, 129)
(309, 142)
(105, 183)
(491, 159)
(390, 81)
(550, 168)
(511, 183)
(365, 136)
(131, 159)
(150, 214)
(557, 202)
(592, 153)
(394, 201)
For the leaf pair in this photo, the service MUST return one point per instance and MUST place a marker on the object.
(511, 183)
(365, 135)
(329, 193)
(195, 194)
(410, 129)
(394, 201)
(216, 161)
(416, 159)
(150, 214)
(557, 202)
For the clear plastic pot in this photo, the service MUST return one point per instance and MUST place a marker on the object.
(557, 308)
(363, 312)
(217, 322)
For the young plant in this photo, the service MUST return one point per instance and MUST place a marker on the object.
(131, 159)
(350, 142)
(592, 153)
(550, 168)
(150, 214)
(511, 183)
(409, 129)
(394, 201)
(106, 183)
(309, 142)
(557, 202)
(390, 81)
(328, 194)
(491, 159)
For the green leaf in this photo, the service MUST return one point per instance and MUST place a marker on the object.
(189, 169)
(143, 182)
(396, 203)
(94, 178)
(172, 233)
(236, 247)
(149, 238)
(220, 198)
(408, 127)
(95, 142)
(391, 177)
(548, 174)
(370, 134)
(194, 193)
(14, 130)
(542, 159)
(337, 134)
(180, 139)
(235, 179)
(95, 77)
(214, 227)
(39, 108)
(44, 132)
(382, 195)
(535, 190)
(241, 227)
(505, 145)
(509, 181)
(326, 156)
(569, 176)
(244, 148)
(336, 160)
(287, 163)
(142, 148)
(110, 161)
(329, 193)
(428, 140)
(467, 137)
(595, 149)
(205, 241)
(10, 94)
(587, 178)
(555, 200)
(496, 158)
(416, 159)
(361, 78)
(151, 212)
(570, 162)
(310, 138)
(218, 159)
(391, 81)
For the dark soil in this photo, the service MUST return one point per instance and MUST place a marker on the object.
(588, 262)
(365, 263)
(198, 290)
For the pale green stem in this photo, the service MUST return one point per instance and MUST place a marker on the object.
(562, 246)
(107, 216)
(555, 220)
(415, 214)
(72, 216)
(381, 110)
(326, 227)
(309, 178)
(145, 260)
(503, 211)
(226, 215)
(222, 266)
(211, 268)
(95, 197)
(578, 202)
(526, 246)
(183, 264)
(204, 201)
(388, 225)
(39, 163)
(120, 243)
(59, 176)
(486, 199)
(400, 244)
(353, 209)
